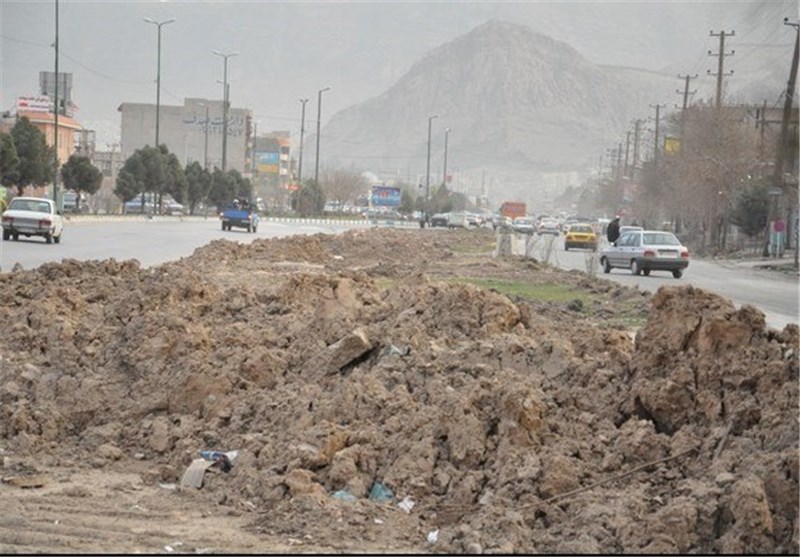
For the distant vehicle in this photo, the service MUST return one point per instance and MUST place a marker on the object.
(643, 251)
(513, 209)
(548, 226)
(524, 225)
(457, 220)
(440, 220)
(134, 206)
(168, 205)
(32, 216)
(240, 214)
(580, 235)
(70, 203)
(172, 207)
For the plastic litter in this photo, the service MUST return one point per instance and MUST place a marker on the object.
(392, 350)
(406, 504)
(344, 495)
(381, 493)
(433, 536)
(223, 459)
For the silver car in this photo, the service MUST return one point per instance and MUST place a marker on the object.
(643, 251)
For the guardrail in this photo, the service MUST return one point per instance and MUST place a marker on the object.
(79, 218)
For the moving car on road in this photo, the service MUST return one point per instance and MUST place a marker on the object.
(580, 236)
(643, 251)
(523, 225)
(548, 226)
(32, 216)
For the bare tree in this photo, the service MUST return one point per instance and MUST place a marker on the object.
(719, 152)
(343, 186)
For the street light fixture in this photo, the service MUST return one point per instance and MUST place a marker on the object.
(316, 162)
(428, 170)
(225, 104)
(158, 24)
(302, 133)
(444, 172)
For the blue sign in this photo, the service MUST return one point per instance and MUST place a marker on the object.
(268, 158)
(385, 196)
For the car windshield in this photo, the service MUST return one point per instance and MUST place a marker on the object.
(29, 205)
(660, 239)
(581, 228)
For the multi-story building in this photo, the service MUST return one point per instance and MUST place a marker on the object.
(192, 132)
(272, 170)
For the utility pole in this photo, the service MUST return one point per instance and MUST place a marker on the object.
(55, 131)
(253, 157)
(655, 141)
(721, 55)
(686, 94)
(636, 136)
(627, 151)
(302, 133)
(780, 155)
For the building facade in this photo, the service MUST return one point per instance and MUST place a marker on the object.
(192, 132)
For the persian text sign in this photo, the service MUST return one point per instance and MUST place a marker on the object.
(35, 104)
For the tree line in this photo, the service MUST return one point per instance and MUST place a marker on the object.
(718, 173)
(27, 161)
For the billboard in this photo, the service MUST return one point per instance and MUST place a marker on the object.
(41, 103)
(268, 163)
(384, 196)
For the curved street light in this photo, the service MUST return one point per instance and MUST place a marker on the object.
(225, 57)
(319, 113)
(428, 170)
(444, 172)
(302, 133)
(158, 24)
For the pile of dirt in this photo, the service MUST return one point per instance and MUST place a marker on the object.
(347, 364)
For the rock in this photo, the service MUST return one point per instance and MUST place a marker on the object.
(347, 349)
(724, 478)
(109, 452)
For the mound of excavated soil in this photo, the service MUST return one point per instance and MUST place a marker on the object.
(337, 362)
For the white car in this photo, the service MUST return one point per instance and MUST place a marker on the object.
(32, 216)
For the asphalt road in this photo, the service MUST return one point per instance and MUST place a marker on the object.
(151, 242)
(774, 293)
(155, 241)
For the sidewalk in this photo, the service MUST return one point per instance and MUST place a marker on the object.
(783, 265)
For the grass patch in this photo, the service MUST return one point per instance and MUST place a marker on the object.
(481, 248)
(544, 292)
(385, 283)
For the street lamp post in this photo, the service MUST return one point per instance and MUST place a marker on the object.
(444, 172)
(316, 162)
(205, 142)
(302, 133)
(225, 104)
(158, 24)
(428, 170)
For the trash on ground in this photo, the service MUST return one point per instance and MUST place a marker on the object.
(381, 493)
(344, 495)
(223, 459)
(194, 474)
(406, 504)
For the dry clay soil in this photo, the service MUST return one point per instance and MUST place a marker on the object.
(343, 364)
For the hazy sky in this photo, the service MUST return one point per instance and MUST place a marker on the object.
(290, 50)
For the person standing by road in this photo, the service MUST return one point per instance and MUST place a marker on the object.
(612, 232)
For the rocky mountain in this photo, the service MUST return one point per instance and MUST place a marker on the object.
(516, 101)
